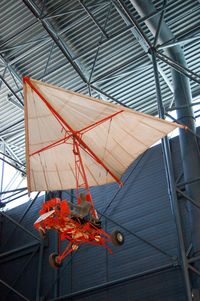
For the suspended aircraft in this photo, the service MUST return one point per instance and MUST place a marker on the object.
(74, 141)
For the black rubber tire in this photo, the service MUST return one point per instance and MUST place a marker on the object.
(53, 262)
(117, 238)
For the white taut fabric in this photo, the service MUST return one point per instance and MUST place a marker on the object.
(117, 142)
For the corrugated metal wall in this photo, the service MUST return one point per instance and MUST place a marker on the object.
(144, 268)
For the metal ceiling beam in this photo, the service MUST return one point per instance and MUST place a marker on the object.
(62, 5)
(13, 190)
(79, 20)
(14, 135)
(17, 168)
(106, 74)
(93, 47)
(22, 31)
(141, 35)
(47, 37)
(23, 45)
(74, 58)
(98, 48)
(184, 106)
(15, 76)
(55, 37)
(15, 103)
(95, 88)
(4, 73)
(163, 74)
(140, 38)
(178, 67)
(46, 40)
(190, 33)
(102, 30)
(48, 16)
(161, 18)
(12, 180)
(107, 95)
(17, 123)
(49, 58)
(13, 199)
(10, 151)
(11, 90)
(28, 51)
(180, 42)
(114, 70)
(59, 42)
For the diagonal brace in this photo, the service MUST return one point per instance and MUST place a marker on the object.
(20, 226)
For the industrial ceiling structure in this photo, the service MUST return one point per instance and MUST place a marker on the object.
(99, 48)
(142, 54)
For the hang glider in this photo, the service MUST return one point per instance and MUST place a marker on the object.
(109, 137)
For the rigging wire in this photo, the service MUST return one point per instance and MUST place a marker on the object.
(128, 176)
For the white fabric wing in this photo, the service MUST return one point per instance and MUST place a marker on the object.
(116, 142)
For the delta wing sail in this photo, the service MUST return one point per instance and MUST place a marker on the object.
(110, 137)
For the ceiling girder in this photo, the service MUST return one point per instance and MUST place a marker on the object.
(59, 42)
(55, 37)
(181, 69)
(98, 48)
(10, 151)
(11, 90)
(180, 42)
(93, 19)
(140, 36)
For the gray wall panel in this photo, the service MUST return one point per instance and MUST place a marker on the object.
(141, 209)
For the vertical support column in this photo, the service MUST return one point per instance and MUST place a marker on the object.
(2, 175)
(38, 285)
(1, 231)
(56, 287)
(190, 154)
(171, 185)
(189, 147)
(57, 271)
(2, 170)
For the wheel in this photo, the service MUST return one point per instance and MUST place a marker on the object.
(42, 232)
(117, 238)
(53, 261)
